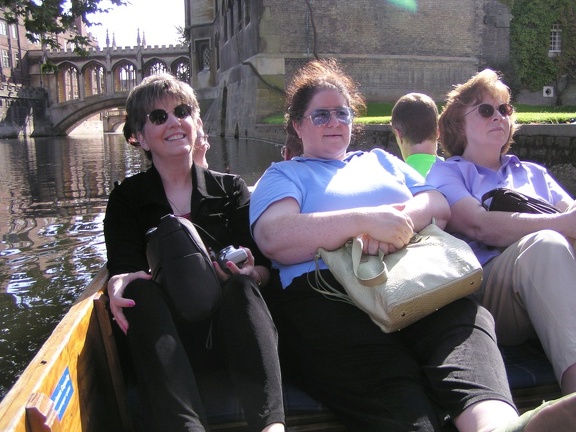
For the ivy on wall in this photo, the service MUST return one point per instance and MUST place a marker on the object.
(532, 22)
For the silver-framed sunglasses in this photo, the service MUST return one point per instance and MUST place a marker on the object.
(322, 116)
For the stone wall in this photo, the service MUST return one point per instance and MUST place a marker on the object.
(553, 146)
(22, 111)
(387, 49)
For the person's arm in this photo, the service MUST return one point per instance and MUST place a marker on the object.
(428, 206)
(290, 237)
(504, 228)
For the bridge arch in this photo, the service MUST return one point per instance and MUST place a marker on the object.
(100, 82)
(71, 115)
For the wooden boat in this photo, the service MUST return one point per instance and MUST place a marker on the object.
(75, 382)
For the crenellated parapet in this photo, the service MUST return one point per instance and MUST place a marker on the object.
(11, 90)
(122, 51)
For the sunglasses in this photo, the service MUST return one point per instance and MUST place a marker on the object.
(487, 110)
(322, 116)
(159, 116)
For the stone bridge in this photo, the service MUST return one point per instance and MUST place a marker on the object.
(80, 87)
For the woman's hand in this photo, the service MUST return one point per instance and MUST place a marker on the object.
(372, 246)
(116, 286)
(249, 269)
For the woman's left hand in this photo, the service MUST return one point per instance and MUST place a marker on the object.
(247, 268)
(371, 246)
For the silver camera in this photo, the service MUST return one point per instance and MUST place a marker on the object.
(230, 253)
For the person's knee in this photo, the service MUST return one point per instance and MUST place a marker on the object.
(546, 240)
(238, 287)
(142, 289)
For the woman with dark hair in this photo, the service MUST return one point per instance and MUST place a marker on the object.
(166, 352)
(528, 259)
(445, 366)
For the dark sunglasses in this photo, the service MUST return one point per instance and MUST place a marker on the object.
(159, 116)
(321, 117)
(487, 110)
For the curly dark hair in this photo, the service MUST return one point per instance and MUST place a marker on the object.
(313, 77)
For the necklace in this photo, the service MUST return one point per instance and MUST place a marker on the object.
(174, 207)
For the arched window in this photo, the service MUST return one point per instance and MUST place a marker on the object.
(94, 80)
(124, 77)
(156, 68)
(182, 70)
(67, 83)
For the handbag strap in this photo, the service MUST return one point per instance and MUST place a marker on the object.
(369, 270)
(323, 287)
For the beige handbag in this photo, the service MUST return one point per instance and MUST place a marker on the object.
(396, 290)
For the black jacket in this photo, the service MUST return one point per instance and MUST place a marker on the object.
(219, 206)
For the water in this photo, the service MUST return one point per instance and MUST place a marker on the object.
(53, 194)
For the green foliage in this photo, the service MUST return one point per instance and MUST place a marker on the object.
(39, 19)
(530, 38)
(380, 113)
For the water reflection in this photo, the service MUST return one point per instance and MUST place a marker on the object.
(53, 194)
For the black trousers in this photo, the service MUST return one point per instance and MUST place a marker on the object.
(411, 380)
(167, 355)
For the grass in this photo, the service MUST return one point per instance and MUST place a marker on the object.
(379, 113)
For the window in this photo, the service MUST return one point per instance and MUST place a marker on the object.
(13, 30)
(157, 68)
(5, 59)
(16, 60)
(3, 28)
(203, 54)
(124, 77)
(183, 71)
(555, 40)
(94, 81)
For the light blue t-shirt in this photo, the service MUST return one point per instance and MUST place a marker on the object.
(362, 179)
(458, 178)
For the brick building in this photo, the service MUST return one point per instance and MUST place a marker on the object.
(242, 50)
(13, 48)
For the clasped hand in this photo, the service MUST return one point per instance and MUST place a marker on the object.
(392, 231)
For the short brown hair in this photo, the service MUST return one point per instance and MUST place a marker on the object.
(415, 115)
(451, 122)
(152, 89)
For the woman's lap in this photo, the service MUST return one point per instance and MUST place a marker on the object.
(238, 331)
(347, 362)
(529, 289)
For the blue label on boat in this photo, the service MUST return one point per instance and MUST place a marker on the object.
(62, 393)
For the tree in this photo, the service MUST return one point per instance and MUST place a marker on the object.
(37, 16)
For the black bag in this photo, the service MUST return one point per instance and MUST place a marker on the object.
(508, 200)
(180, 263)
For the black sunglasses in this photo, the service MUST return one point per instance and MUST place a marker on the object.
(159, 116)
(487, 110)
(321, 117)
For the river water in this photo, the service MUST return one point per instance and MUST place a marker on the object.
(53, 194)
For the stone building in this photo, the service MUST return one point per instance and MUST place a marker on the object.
(243, 50)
